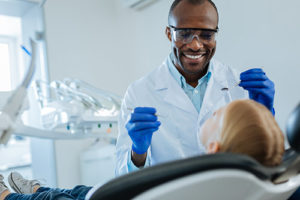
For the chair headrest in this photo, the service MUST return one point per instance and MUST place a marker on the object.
(293, 129)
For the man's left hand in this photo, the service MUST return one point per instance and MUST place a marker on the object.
(259, 86)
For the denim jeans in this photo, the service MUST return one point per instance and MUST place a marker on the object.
(43, 193)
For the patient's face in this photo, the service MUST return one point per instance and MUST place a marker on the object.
(211, 129)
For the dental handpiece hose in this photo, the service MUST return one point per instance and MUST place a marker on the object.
(14, 104)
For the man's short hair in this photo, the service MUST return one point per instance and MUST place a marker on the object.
(176, 2)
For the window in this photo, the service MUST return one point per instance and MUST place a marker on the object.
(17, 152)
(5, 84)
(20, 21)
(10, 62)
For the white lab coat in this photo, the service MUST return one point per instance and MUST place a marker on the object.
(177, 136)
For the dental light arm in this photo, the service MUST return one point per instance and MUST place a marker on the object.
(14, 104)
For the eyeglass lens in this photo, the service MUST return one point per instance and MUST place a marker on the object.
(187, 35)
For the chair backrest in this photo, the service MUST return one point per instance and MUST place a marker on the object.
(293, 129)
(231, 184)
(133, 184)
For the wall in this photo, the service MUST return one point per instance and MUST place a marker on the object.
(109, 46)
(264, 34)
(105, 44)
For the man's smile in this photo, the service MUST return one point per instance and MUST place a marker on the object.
(193, 57)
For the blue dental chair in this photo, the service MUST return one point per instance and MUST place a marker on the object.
(219, 176)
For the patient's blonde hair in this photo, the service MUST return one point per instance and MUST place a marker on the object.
(250, 128)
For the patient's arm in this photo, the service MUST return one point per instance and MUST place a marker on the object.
(138, 159)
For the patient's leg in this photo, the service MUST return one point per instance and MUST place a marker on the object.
(47, 195)
(43, 193)
(79, 192)
(25, 186)
(4, 194)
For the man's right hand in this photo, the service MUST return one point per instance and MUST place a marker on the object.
(142, 124)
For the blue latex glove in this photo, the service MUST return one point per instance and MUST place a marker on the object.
(259, 86)
(140, 127)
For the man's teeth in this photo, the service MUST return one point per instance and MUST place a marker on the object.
(194, 57)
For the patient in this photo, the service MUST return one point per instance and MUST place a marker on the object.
(243, 126)
(32, 190)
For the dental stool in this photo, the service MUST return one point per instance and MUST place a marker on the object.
(215, 176)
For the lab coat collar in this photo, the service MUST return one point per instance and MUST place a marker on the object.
(216, 73)
(172, 91)
(213, 93)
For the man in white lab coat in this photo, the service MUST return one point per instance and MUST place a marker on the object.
(162, 112)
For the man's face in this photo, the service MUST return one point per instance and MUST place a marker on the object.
(192, 58)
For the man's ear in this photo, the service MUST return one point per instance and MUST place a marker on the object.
(168, 33)
(213, 147)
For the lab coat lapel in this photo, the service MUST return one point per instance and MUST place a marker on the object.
(214, 97)
(173, 93)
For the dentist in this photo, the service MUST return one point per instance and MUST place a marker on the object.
(173, 101)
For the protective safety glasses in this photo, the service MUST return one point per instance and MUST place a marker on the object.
(187, 35)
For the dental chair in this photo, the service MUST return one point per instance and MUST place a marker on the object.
(216, 176)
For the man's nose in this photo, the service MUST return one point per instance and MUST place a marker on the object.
(196, 43)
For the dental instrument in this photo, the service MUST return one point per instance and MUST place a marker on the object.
(14, 104)
(229, 88)
(236, 84)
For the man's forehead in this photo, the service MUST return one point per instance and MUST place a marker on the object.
(194, 15)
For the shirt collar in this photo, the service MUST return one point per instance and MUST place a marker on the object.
(180, 79)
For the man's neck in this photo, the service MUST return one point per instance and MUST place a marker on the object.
(192, 79)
